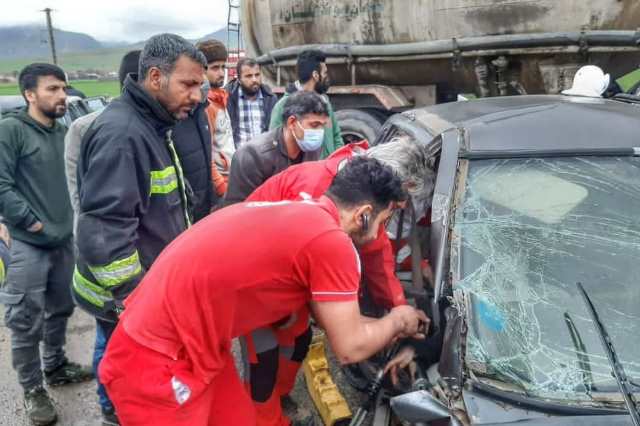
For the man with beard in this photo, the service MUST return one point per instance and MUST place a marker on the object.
(132, 192)
(34, 203)
(313, 76)
(223, 148)
(170, 360)
(250, 103)
(274, 354)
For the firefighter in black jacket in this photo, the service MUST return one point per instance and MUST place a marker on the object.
(133, 196)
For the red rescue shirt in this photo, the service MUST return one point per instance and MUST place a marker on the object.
(243, 267)
(312, 179)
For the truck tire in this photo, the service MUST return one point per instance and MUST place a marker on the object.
(356, 125)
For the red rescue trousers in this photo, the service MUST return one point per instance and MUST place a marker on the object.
(274, 362)
(149, 388)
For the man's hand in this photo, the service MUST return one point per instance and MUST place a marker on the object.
(413, 322)
(4, 234)
(36, 227)
(402, 359)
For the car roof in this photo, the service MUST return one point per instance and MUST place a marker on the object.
(538, 123)
(11, 102)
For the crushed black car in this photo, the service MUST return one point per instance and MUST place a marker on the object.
(534, 194)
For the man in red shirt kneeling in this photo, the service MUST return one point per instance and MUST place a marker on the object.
(169, 360)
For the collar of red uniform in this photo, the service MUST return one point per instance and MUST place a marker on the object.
(330, 207)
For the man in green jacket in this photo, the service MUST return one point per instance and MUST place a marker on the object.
(34, 203)
(313, 76)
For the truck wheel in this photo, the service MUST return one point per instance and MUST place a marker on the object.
(356, 125)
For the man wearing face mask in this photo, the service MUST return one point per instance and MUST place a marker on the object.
(170, 362)
(299, 139)
(313, 76)
(278, 351)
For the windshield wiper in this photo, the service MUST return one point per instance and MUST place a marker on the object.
(581, 353)
(616, 366)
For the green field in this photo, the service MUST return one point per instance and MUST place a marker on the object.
(88, 87)
(102, 60)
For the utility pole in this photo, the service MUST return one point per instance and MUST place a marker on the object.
(52, 42)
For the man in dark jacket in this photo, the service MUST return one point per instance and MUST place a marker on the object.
(193, 144)
(250, 103)
(34, 202)
(299, 139)
(73, 142)
(132, 192)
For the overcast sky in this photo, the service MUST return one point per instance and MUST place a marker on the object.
(122, 20)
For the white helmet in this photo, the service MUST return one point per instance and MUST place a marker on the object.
(590, 81)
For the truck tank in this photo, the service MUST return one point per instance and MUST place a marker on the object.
(391, 28)
(387, 55)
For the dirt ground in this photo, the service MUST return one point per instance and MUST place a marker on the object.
(77, 404)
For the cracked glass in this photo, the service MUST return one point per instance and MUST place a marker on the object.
(526, 231)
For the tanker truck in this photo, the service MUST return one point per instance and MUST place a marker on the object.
(387, 56)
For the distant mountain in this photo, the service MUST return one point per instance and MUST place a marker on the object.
(221, 35)
(20, 46)
(32, 41)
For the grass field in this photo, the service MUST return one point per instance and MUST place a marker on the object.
(103, 60)
(88, 87)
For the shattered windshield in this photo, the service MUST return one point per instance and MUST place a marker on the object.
(525, 232)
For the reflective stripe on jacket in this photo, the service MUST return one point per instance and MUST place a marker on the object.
(133, 199)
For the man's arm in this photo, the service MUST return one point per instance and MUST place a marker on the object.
(276, 114)
(330, 263)
(5, 256)
(378, 265)
(245, 175)
(338, 142)
(112, 189)
(72, 142)
(354, 338)
(14, 208)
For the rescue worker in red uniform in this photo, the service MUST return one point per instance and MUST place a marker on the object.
(169, 360)
(276, 353)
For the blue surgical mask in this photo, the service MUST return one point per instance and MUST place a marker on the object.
(312, 139)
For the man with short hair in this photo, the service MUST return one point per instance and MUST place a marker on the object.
(298, 140)
(170, 361)
(223, 146)
(250, 102)
(34, 202)
(132, 191)
(313, 76)
(73, 142)
(276, 352)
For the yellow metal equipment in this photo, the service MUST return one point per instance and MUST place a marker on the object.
(325, 394)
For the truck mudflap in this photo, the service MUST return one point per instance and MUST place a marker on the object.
(326, 396)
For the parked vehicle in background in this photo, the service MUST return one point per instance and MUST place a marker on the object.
(76, 106)
(388, 56)
(533, 195)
